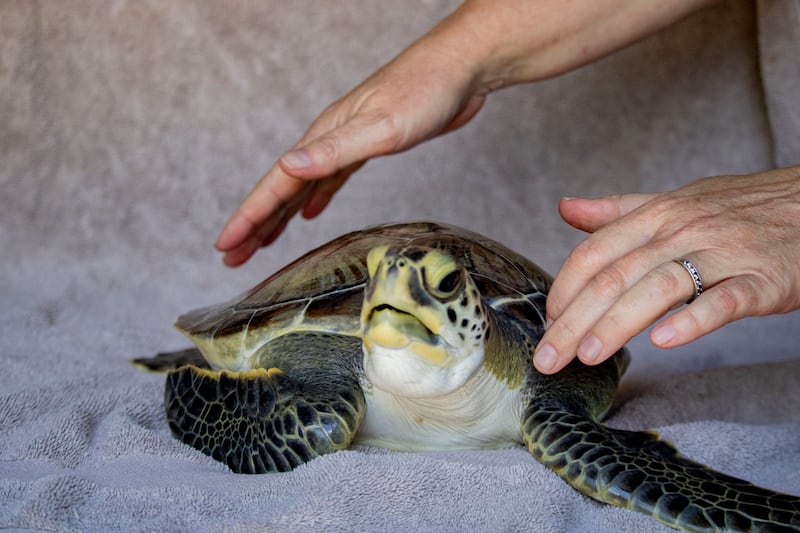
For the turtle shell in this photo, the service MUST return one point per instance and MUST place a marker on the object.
(322, 290)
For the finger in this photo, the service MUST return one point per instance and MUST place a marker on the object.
(561, 340)
(322, 194)
(244, 250)
(363, 137)
(660, 290)
(593, 255)
(272, 236)
(322, 156)
(726, 302)
(241, 253)
(272, 193)
(267, 233)
(592, 214)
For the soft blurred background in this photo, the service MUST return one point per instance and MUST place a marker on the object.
(131, 129)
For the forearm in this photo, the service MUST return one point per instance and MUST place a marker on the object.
(506, 42)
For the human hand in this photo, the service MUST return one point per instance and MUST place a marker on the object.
(424, 92)
(435, 86)
(741, 232)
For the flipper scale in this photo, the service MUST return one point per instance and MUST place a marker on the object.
(637, 471)
(273, 420)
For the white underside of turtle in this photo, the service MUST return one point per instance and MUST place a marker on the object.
(449, 421)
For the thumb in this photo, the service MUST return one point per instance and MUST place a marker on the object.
(592, 214)
(355, 141)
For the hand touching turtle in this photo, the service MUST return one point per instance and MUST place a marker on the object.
(740, 233)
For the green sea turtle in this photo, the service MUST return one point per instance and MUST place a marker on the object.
(419, 337)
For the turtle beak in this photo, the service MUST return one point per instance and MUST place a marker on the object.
(393, 296)
(393, 328)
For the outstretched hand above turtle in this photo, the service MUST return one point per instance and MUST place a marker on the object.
(424, 92)
(435, 86)
(741, 233)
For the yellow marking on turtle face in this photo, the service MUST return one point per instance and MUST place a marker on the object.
(395, 292)
(432, 320)
(374, 258)
(386, 335)
(438, 266)
(413, 284)
(435, 354)
(414, 297)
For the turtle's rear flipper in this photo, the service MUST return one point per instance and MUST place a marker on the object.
(307, 404)
(161, 362)
(635, 470)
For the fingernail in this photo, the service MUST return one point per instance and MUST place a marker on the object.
(548, 323)
(296, 159)
(663, 334)
(589, 350)
(546, 357)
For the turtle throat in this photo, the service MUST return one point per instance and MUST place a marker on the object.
(405, 358)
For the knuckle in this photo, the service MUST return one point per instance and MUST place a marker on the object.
(328, 147)
(585, 259)
(585, 253)
(664, 284)
(563, 335)
(557, 298)
(727, 300)
(554, 304)
(568, 333)
(615, 324)
(610, 282)
(773, 278)
(692, 324)
(389, 136)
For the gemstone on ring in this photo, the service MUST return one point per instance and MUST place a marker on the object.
(692, 270)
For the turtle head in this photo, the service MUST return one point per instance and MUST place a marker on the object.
(422, 321)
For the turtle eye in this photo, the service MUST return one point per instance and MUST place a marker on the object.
(449, 283)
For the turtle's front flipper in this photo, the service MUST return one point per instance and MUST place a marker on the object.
(635, 470)
(309, 402)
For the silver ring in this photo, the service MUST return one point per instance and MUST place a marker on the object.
(692, 270)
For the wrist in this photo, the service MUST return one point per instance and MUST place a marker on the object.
(507, 42)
